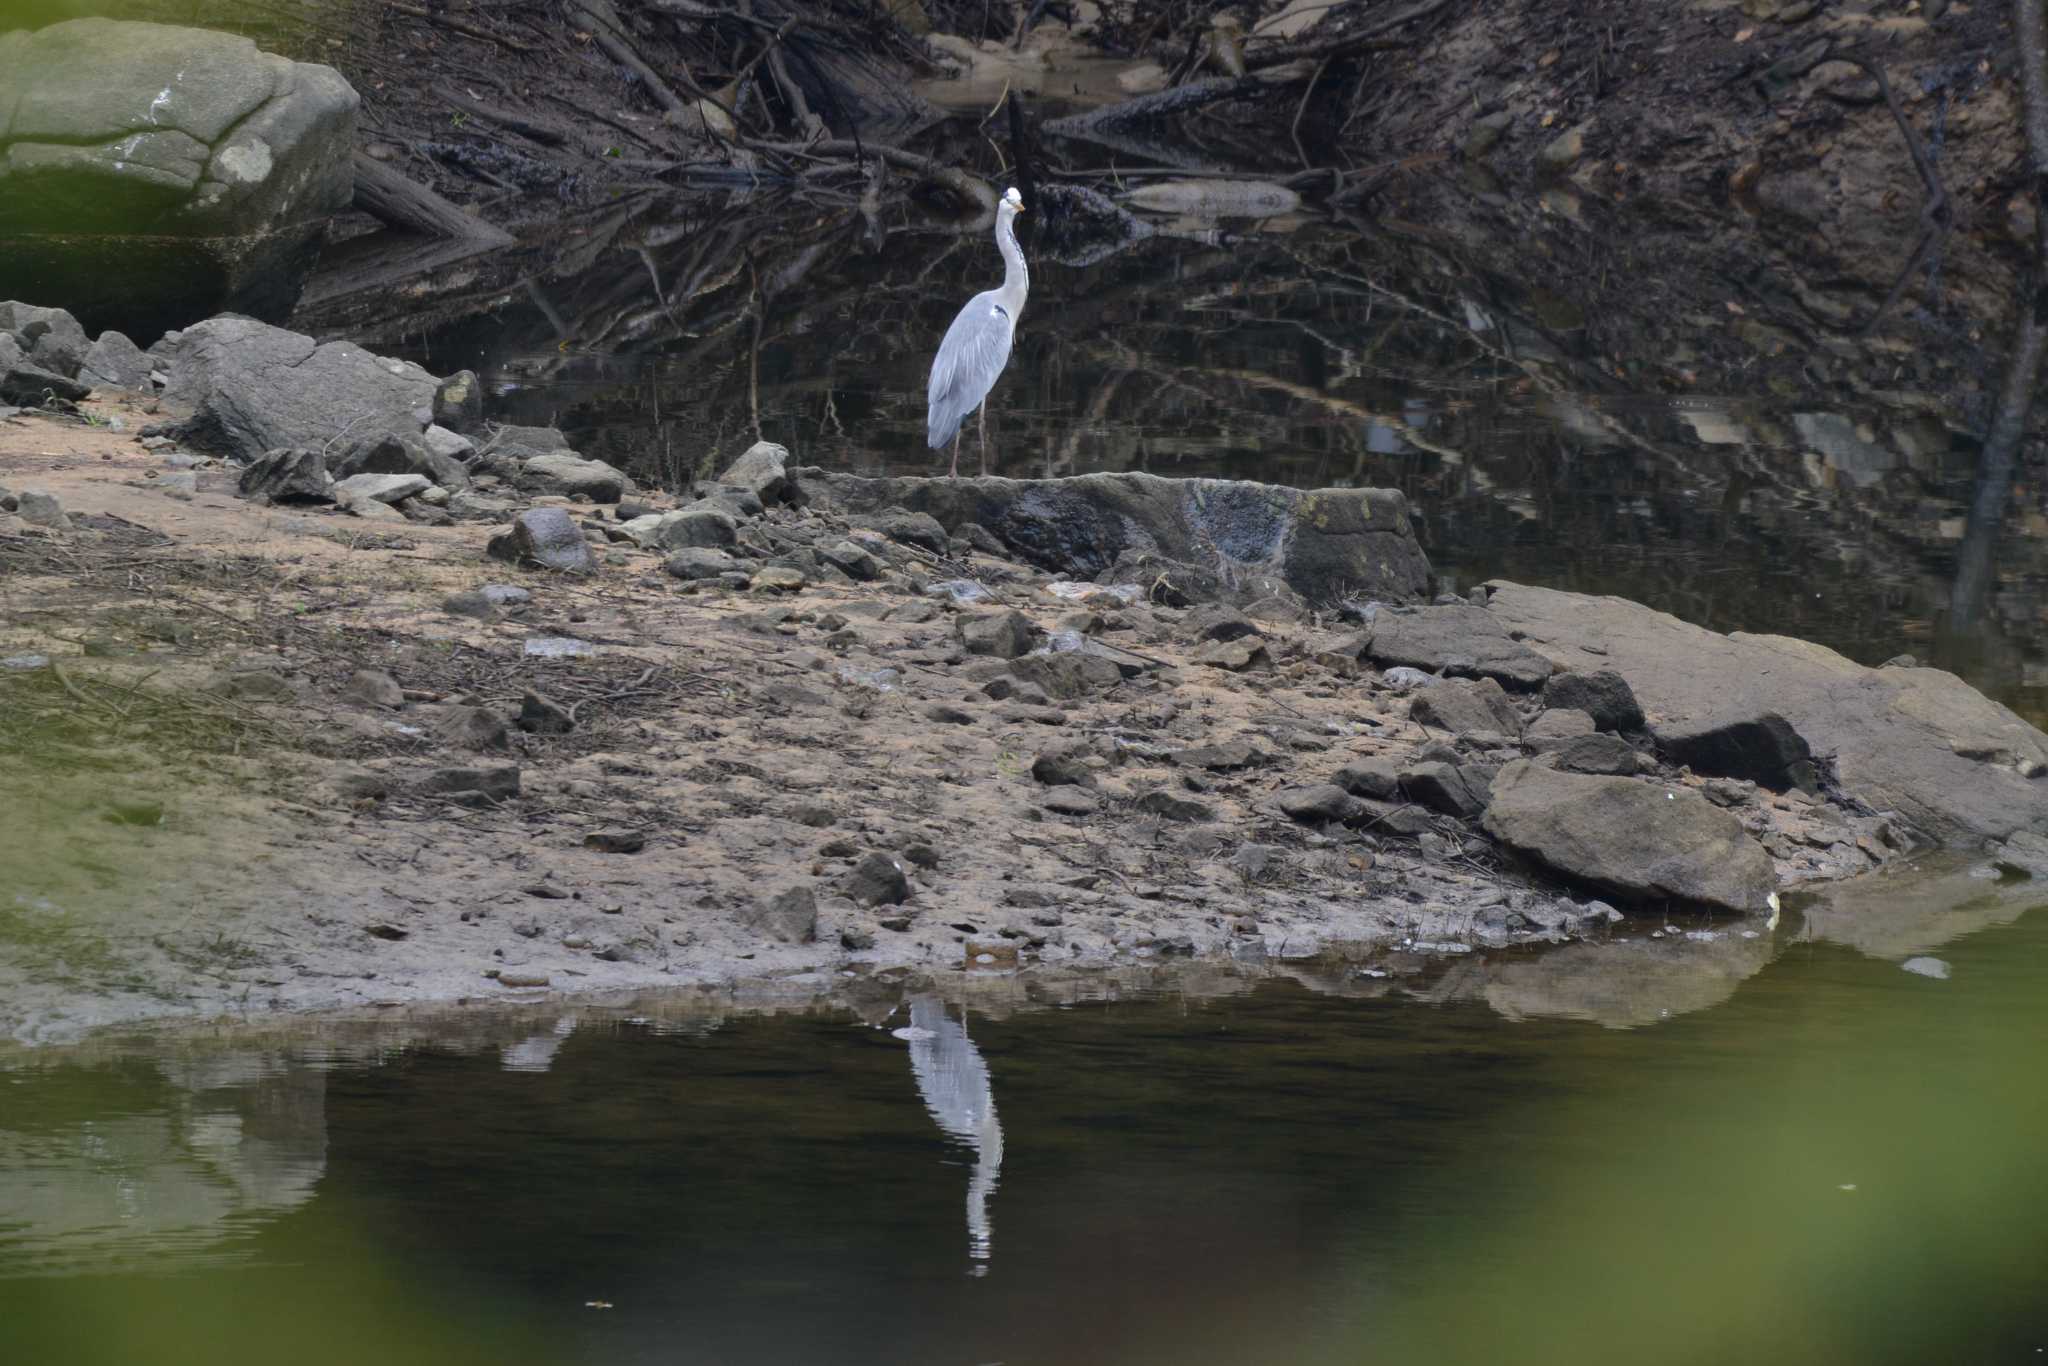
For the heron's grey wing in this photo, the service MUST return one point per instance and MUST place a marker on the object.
(972, 356)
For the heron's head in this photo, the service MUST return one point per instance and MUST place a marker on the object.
(1013, 200)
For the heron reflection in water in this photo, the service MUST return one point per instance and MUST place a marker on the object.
(953, 1080)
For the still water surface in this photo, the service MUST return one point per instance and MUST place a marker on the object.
(1805, 1154)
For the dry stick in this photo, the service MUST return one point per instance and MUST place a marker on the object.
(775, 38)
(1294, 129)
(57, 670)
(391, 198)
(1194, 95)
(616, 47)
(546, 133)
(791, 91)
(606, 119)
(459, 26)
(690, 9)
(1353, 40)
(969, 187)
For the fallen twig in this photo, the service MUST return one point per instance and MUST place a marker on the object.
(449, 21)
(1343, 44)
(519, 123)
(971, 188)
(603, 23)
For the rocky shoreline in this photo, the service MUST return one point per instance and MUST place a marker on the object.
(324, 693)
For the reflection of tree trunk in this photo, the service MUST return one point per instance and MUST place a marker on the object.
(2030, 339)
(1995, 470)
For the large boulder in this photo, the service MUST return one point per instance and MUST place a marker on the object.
(253, 388)
(57, 343)
(151, 176)
(1326, 544)
(547, 538)
(571, 476)
(115, 362)
(1459, 640)
(395, 454)
(1918, 743)
(760, 470)
(1602, 694)
(1632, 840)
(690, 529)
(288, 476)
(30, 386)
(1466, 708)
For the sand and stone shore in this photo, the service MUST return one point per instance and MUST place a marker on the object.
(429, 710)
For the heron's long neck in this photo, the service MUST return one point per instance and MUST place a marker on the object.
(1016, 279)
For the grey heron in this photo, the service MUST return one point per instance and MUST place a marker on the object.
(977, 345)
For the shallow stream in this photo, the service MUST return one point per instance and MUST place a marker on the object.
(1693, 1149)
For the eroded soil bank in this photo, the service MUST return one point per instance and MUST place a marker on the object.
(266, 756)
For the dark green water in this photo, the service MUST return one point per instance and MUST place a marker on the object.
(1830, 1160)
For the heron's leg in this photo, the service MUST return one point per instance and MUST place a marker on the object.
(981, 417)
(954, 473)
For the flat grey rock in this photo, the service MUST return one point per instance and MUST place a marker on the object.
(380, 488)
(1602, 694)
(31, 386)
(546, 537)
(571, 476)
(1639, 841)
(288, 475)
(153, 174)
(1460, 641)
(692, 528)
(397, 454)
(1917, 742)
(1321, 544)
(701, 563)
(1463, 707)
(761, 470)
(255, 388)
